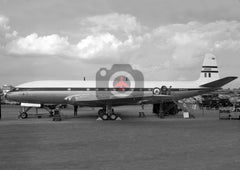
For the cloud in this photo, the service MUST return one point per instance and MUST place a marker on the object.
(228, 44)
(188, 42)
(179, 45)
(103, 42)
(5, 33)
(34, 44)
(4, 23)
(102, 45)
(93, 46)
(112, 22)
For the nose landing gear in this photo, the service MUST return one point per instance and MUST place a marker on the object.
(23, 113)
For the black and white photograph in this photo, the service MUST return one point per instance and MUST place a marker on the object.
(119, 84)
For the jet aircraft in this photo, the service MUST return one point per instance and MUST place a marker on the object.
(52, 94)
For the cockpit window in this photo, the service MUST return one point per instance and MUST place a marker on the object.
(14, 89)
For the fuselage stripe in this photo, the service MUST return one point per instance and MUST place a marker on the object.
(206, 71)
(98, 89)
(209, 66)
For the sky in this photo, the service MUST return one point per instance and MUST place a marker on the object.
(164, 39)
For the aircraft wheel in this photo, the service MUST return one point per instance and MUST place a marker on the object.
(104, 116)
(23, 115)
(101, 112)
(113, 116)
(164, 90)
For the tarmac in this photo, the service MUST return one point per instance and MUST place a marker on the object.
(133, 143)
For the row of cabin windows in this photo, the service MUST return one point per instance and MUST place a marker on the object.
(90, 89)
(115, 89)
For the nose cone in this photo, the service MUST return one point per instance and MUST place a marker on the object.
(5, 96)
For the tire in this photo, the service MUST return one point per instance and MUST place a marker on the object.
(164, 90)
(104, 116)
(113, 116)
(23, 115)
(101, 112)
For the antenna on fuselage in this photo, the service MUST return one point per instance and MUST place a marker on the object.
(84, 78)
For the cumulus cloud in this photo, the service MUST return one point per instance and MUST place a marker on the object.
(228, 44)
(181, 45)
(112, 22)
(192, 40)
(34, 44)
(5, 32)
(4, 23)
(100, 45)
(93, 46)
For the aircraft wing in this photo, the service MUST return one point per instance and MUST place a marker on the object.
(92, 100)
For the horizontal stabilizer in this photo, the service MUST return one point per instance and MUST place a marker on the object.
(219, 83)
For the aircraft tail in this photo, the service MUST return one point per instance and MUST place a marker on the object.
(209, 70)
(209, 76)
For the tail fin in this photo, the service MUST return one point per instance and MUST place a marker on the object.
(209, 76)
(209, 70)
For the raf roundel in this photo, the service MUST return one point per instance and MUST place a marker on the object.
(156, 90)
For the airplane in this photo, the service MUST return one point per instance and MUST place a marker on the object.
(52, 94)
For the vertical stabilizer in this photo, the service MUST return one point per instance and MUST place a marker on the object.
(209, 70)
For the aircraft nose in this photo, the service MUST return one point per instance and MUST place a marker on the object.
(10, 96)
(6, 96)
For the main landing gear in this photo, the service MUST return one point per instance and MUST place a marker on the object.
(107, 113)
